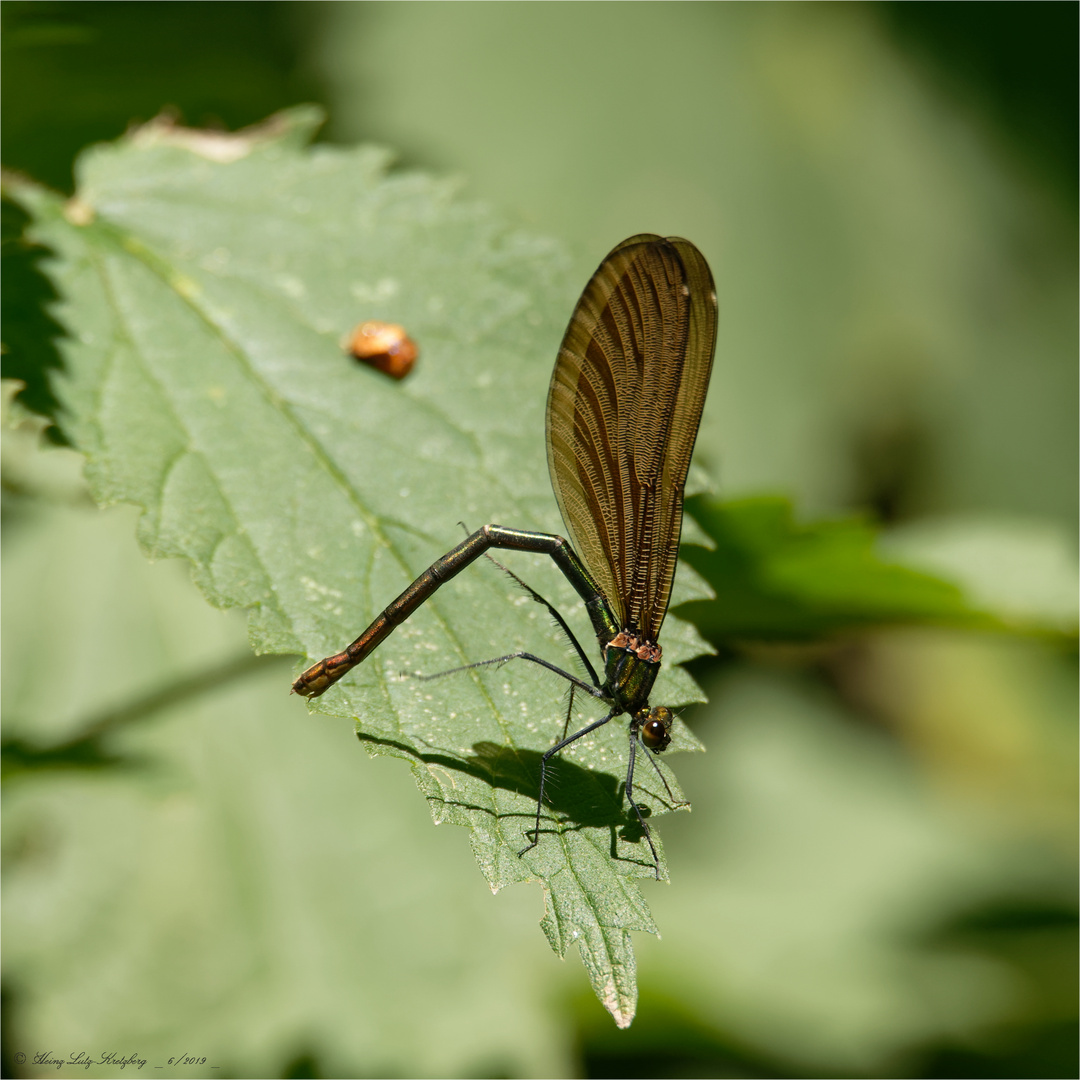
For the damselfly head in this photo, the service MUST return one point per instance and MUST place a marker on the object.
(656, 728)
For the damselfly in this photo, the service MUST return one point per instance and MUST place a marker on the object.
(622, 415)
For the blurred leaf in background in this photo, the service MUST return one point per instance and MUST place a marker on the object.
(878, 877)
(84, 72)
(1015, 68)
(776, 580)
(897, 290)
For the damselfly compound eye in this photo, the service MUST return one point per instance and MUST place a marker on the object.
(656, 731)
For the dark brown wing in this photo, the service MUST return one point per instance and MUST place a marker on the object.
(623, 413)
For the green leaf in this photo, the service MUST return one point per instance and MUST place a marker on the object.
(778, 580)
(246, 877)
(1024, 571)
(208, 281)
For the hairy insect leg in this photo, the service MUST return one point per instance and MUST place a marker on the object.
(574, 681)
(663, 779)
(569, 711)
(637, 809)
(554, 612)
(561, 745)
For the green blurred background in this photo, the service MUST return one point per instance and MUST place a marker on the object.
(878, 876)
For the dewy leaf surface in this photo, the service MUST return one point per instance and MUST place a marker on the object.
(208, 282)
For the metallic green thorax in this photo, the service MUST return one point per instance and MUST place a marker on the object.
(630, 669)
